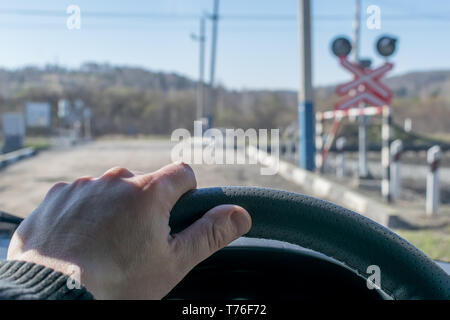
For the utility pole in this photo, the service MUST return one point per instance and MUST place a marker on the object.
(362, 119)
(356, 30)
(306, 117)
(201, 74)
(212, 96)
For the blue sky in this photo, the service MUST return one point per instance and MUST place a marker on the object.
(252, 53)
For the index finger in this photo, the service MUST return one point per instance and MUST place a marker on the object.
(171, 182)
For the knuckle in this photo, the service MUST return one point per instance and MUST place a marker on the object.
(82, 180)
(117, 172)
(187, 171)
(216, 235)
(57, 187)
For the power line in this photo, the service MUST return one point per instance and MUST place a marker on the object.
(98, 14)
(193, 16)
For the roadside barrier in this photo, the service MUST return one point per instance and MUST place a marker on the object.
(396, 179)
(14, 156)
(340, 158)
(432, 197)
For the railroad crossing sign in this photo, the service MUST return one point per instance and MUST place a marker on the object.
(366, 86)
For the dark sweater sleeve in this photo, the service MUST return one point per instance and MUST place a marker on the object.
(21, 280)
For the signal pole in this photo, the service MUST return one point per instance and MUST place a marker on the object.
(356, 30)
(201, 72)
(362, 119)
(212, 95)
(306, 117)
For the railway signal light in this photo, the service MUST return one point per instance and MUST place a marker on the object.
(386, 46)
(341, 47)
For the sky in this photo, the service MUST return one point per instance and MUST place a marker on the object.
(257, 39)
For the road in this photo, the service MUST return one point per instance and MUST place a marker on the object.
(23, 185)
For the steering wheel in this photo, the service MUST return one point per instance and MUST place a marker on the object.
(351, 239)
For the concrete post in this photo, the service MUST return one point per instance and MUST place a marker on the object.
(340, 158)
(319, 141)
(386, 133)
(432, 199)
(396, 179)
(291, 146)
(407, 125)
(362, 145)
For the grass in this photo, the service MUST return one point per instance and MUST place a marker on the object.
(442, 136)
(37, 142)
(435, 243)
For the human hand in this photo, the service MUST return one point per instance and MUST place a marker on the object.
(115, 230)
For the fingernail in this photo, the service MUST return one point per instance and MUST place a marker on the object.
(241, 220)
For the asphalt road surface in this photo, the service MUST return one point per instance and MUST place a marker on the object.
(23, 185)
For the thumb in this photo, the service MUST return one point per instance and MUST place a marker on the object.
(217, 228)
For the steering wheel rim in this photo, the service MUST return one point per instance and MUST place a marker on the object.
(346, 236)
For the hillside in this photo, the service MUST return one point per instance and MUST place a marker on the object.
(423, 84)
(131, 99)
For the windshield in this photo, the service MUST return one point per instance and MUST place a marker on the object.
(350, 106)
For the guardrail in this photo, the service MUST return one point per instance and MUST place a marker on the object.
(14, 156)
(284, 148)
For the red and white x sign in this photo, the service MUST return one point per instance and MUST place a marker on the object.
(366, 86)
